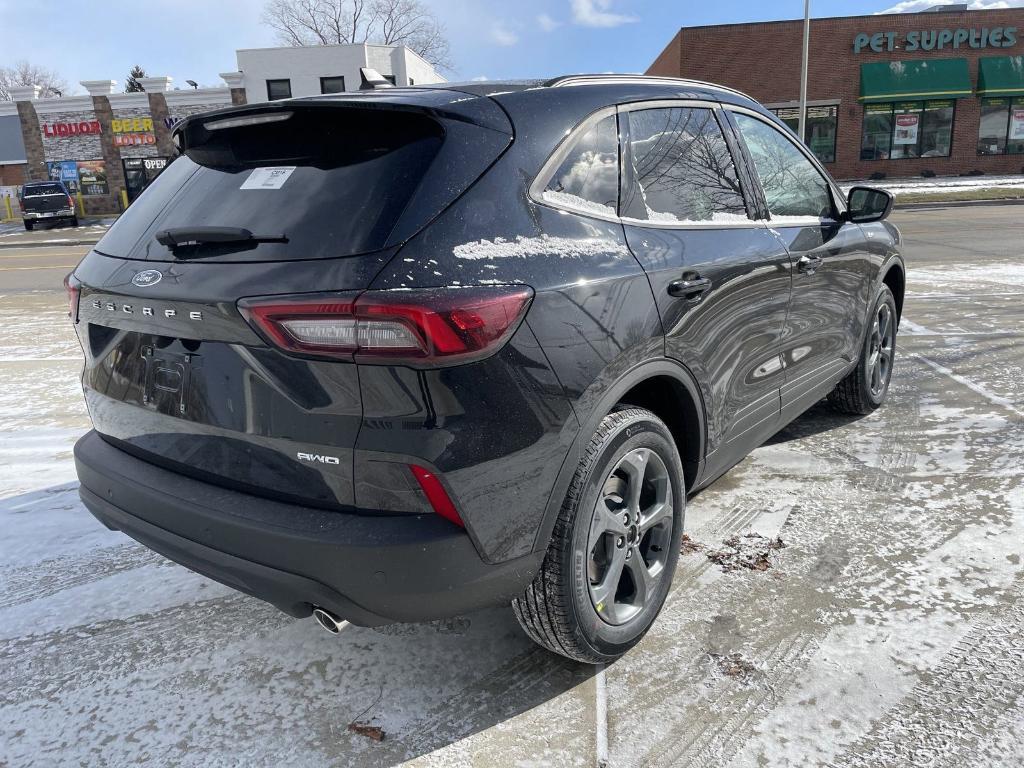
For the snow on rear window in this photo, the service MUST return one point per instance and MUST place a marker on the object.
(41, 190)
(588, 177)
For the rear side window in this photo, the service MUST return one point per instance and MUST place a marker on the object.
(588, 178)
(38, 190)
(793, 187)
(333, 182)
(682, 170)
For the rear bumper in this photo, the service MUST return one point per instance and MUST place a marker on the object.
(62, 214)
(367, 569)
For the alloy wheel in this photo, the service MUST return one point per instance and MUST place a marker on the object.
(629, 537)
(880, 354)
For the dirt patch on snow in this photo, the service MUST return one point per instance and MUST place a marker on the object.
(751, 551)
(734, 665)
(689, 546)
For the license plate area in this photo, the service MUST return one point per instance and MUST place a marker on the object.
(167, 377)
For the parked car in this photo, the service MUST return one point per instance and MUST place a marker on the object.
(45, 201)
(398, 355)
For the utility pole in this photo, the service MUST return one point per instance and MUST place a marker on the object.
(803, 71)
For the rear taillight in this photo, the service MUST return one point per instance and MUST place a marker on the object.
(71, 203)
(72, 287)
(431, 326)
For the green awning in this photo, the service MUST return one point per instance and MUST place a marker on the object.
(929, 79)
(1001, 76)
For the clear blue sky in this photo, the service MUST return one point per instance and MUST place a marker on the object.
(86, 39)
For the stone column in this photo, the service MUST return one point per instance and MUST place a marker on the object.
(155, 88)
(100, 90)
(236, 82)
(31, 133)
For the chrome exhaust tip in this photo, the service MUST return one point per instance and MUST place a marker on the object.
(328, 620)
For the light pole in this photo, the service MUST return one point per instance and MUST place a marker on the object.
(803, 71)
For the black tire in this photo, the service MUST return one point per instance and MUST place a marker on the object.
(557, 610)
(856, 394)
(29, 225)
(74, 221)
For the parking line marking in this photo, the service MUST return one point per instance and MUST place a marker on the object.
(601, 718)
(991, 397)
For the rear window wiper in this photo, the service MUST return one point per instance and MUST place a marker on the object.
(180, 236)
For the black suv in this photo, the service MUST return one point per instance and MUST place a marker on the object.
(397, 355)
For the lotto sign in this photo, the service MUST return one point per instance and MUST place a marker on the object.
(906, 129)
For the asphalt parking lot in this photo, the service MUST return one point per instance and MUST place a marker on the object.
(888, 631)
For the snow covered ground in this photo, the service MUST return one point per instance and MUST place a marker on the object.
(889, 631)
(943, 184)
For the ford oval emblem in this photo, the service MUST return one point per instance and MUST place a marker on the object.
(147, 278)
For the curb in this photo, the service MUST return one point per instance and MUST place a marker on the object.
(957, 203)
(47, 244)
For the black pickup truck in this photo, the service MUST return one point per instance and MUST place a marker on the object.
(46, 201)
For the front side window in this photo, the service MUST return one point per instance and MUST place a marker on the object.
(682, 170)
(279, 89)
(1002, 127)
(332, 84)
(907, 129)
(588, 177)
(792, 185)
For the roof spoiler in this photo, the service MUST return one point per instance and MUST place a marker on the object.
(373, 80)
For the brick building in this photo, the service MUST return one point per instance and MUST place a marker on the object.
(107, 146)
(902, 94)
(101, 144)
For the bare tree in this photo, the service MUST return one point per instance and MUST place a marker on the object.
(331, 22)
(24, 73)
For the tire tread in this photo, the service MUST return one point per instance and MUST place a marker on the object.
(850, 395)
(544, 610)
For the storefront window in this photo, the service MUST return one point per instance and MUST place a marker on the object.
(86, 176)
(907, 129)
(1002, 127)
(937, 129)
(92, 177)
(822, 127)
(876, 141)
(906, 132)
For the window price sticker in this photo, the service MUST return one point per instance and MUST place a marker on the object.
(268, 178)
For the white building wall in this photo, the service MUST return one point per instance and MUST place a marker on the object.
(419, 70)
(305, 65)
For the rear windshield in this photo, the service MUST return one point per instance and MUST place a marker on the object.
(39, 190)
(331, 182)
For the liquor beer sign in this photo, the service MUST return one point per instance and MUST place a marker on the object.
(133, 132)
(83, 128)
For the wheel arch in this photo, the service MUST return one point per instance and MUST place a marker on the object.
(654, 385)
(894, 276)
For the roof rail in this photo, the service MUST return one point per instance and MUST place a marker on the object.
(566, 80)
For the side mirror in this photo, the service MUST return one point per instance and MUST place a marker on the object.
(868, 204)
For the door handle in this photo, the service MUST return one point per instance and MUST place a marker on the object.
(808, 263)
(689, 289)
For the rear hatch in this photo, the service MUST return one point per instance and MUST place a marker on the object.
(45, 198)
(293, 197)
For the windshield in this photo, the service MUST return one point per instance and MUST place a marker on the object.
(41, 190)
